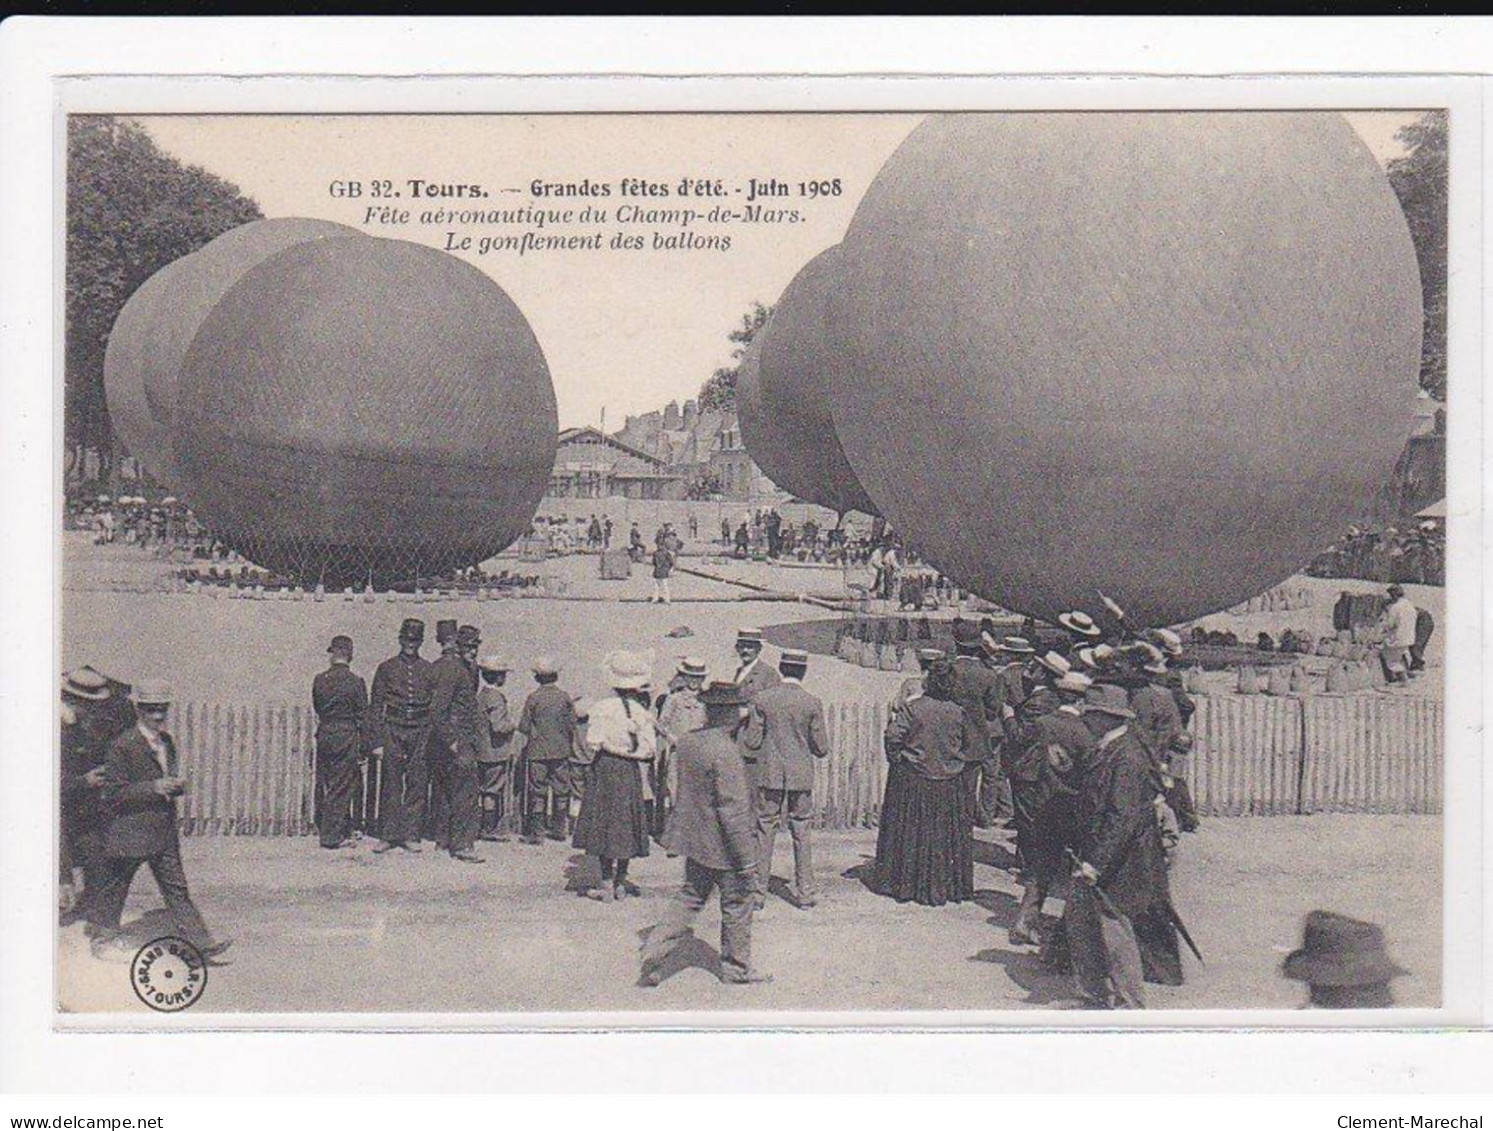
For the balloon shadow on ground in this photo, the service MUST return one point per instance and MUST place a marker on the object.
(1042, 985)
(692, 953)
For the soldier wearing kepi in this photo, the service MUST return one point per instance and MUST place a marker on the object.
(787, 732)
(399, 719)
(713, 829)
(457, 722)
(340, 700)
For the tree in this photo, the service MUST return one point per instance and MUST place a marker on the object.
(1419, 179)
(719, 392)
(131, 209)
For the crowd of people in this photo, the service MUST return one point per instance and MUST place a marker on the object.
(1410, 555)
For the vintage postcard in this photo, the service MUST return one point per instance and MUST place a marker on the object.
(982, 565)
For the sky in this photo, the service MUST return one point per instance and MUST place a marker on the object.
(622, 331)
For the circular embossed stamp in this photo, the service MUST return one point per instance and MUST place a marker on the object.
(168, 974)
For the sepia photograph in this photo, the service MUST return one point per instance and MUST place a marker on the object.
(952, 563)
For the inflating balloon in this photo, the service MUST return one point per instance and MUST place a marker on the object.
(359, 406)
(782, 395)
(1169, 356)
(198, 282)
(126, 363)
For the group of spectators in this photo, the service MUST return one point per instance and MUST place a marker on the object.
(1414, 555)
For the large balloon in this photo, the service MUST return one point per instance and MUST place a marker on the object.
(195, 284)
(126, 363)
(358, 406)
(782, 395)
(1169, 356)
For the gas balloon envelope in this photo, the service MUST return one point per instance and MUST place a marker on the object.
(126, 363)
(783, 389)
(1166, 356)
(358, 407)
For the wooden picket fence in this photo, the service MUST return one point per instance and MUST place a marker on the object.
(250, 765)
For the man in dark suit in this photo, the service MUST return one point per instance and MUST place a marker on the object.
(340, 700)
(141, 786)
(457, 719)
(786, 731)
(713, 829)
(1120, 854)
(399, 720)
(548, 723)
(752, 674)
(90, 723)
(980, 693)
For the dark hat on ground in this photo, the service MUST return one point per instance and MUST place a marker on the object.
(1108, 699)
(85, 683)
(723, 694)
(413, 628)
(468, 636)
(1081, 623)
(1339, 951)
(445, 630)
(341, 645)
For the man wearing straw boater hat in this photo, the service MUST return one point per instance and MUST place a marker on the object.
(752, 674)
(142, 782)
(787, 733)
(1344, 963)
(714, 829)
(1083, 631)
(1052, 752)
(340, 700)
(399, 722)
(89, 726)
(548, 723)
(680, 712)
(1120, 868)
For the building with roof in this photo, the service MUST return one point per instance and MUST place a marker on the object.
(589, 464)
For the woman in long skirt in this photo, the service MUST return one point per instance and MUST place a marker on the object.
(613, 824)
(925, 845)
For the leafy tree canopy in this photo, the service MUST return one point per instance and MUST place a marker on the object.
(131, 209)
(719, 392)
(1420, 181)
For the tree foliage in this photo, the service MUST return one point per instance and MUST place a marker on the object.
(719, 392)
(131, 209)
(1420, 181)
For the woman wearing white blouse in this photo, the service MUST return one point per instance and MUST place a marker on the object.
(613, 824)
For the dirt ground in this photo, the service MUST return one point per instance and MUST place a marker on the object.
(349, 931)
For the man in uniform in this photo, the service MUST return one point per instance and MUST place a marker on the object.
(787, 732)
(751, 673)
(1051, 752)
(713, 829)
(1120, 855)
(399, 720)
(141, 785)
(495, 754)
(457, 724)
(548, 724)
(978, 691)
(340, 700)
